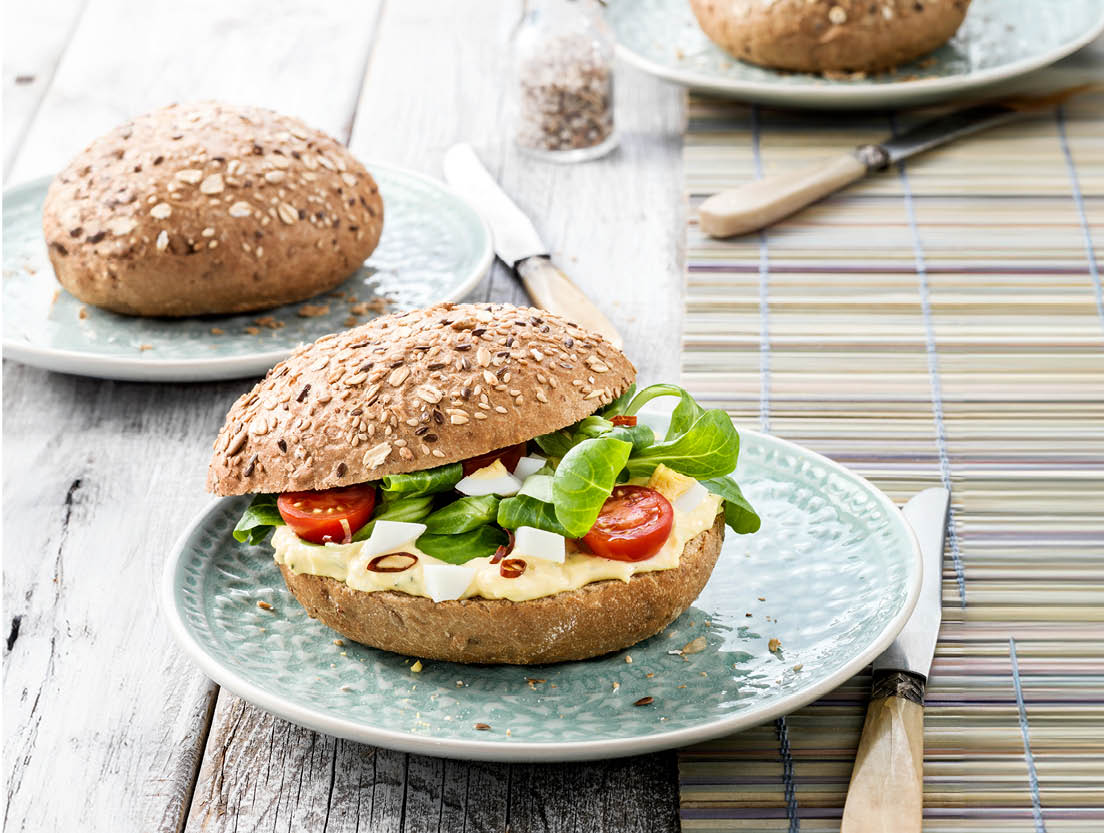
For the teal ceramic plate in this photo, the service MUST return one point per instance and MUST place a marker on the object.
(835, 564)
(434, 248)
(999, 40)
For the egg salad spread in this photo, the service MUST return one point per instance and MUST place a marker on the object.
(541, 577)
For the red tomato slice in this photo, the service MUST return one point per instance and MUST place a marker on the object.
(633, 525)
(509, 457)
(318, 516)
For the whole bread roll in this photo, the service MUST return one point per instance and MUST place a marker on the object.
(209, 208)
(577, 624)
(829, 35)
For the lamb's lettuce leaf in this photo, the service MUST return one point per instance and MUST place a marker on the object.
(463, 515)
(258, 520)
(709, 448)
(739, 515)
(523, 510)
(426, 482)
(481, 542)
(584, 479)
(409, 509)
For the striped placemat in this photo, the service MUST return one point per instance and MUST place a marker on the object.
(940, 323)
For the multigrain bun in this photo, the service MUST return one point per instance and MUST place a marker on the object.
(588, 622)
(209, 208)
(412, 391)
(829, 35)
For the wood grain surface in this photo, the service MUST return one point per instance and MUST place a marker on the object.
(106, 725)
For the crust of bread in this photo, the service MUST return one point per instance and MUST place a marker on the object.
(577, 624)
(413, 391)
(209, 208)
(829, 35)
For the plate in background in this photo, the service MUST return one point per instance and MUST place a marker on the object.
(434, 248)
(835, 562)
(998, 41)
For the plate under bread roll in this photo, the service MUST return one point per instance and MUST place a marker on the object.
(469, 483)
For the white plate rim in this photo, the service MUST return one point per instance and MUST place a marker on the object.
(132, 369)
(865, 95)
(529, 751)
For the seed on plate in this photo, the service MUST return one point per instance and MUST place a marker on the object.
(644, 701)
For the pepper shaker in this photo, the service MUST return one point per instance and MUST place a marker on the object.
(564, 53)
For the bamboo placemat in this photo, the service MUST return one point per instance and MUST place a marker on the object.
(940, 323)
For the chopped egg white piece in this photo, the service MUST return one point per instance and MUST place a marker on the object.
(539, 543)
(688, 501)
(446, 582)
(538, 486)
(490, 480)
(528, 466)
(391, 536)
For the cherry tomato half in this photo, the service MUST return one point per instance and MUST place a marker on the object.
(633, 525)
(509, 457)
(317, 516)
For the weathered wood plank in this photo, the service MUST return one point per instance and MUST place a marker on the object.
(99, 477)
(96, 696)
(129, 56)
(437, 76)
(34, 40)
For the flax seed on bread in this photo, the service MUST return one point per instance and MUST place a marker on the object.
(593, 620)
(209, 208)
(829, 35)
(412, 391)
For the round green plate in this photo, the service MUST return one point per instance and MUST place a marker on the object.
(434, 248)
(999, 40)
(835, 563)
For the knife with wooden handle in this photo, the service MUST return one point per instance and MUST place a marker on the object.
(886, 794)
(519, 246)
(766, 201)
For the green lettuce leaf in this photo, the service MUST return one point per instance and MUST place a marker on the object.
(463, 515)
(584, 479)
(427, 482)
(480, 542)
(739, 514)
(708, 449)
(410, 509)
(258, 520)
(523, 510)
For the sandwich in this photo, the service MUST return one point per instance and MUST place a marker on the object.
(472, 483)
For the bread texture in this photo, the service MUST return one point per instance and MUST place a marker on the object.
(412, 391)
(577, 624)
(829, 35)
(209, 208)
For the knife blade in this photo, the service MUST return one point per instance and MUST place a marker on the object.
(914, 647)
(765, 201)
(518, 245)
(886, 791)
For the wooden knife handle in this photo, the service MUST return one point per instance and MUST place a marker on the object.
(886, 794)
(765, 201)
(552, 290)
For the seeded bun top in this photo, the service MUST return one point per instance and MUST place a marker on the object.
(412, 391)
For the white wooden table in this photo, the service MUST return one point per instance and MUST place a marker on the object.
(107, 727)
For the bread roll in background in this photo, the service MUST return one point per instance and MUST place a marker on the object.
(209, 208)
(829, 35)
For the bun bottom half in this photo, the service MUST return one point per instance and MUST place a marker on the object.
(577, 624)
